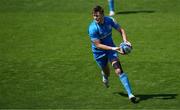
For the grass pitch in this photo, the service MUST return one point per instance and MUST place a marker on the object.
(46, 60)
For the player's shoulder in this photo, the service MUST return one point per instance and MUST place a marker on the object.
(93, 25)
(109, 18)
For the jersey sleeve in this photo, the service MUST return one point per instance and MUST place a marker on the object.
(114, 23)
(93, 33)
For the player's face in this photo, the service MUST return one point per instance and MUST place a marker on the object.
(98, 17)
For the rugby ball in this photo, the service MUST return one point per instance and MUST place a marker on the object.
(126, 48)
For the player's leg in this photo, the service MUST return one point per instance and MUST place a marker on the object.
(111, 7)
(113, 57)
(123, 78)
(105, 72)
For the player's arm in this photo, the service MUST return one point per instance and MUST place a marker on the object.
(124, 36)
(101, 46)
(106, 47)
(121, 30)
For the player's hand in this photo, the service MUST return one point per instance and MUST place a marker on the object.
(127, 42)
(118, 49)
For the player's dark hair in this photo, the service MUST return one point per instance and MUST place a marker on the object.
(98, 9)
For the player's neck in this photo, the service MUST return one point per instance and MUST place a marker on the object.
(101, 22)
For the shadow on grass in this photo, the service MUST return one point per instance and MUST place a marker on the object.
(135, 12)
(142, 97)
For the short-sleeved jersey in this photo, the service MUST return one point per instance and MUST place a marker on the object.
(102, 32)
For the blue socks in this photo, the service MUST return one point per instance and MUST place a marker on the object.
(124, 80)
(111, 5)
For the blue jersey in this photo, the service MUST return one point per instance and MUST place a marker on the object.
(102, 32)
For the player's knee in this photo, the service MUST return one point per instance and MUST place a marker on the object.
(117, 66)
(118, 71)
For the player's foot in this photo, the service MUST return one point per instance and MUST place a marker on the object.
(111, 13)
(105, 80)
(132, 98)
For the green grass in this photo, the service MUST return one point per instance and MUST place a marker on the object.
(46, 60)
